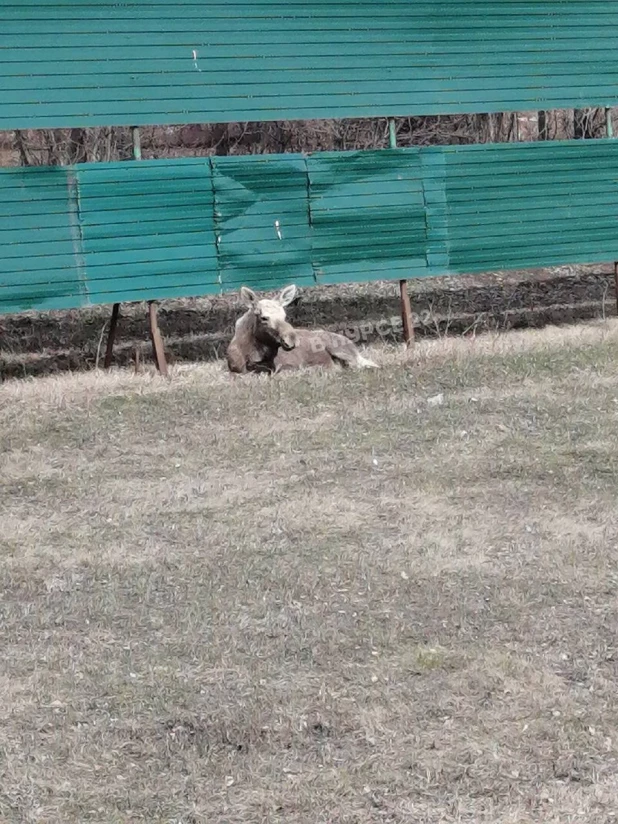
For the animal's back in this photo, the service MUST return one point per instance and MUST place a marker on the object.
(317, 347)
(310, 350)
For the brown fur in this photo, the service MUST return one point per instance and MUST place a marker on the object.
(264, 340)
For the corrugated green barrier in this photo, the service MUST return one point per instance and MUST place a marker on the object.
(105, 233)
(66, 63)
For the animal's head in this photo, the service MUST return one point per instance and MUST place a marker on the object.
(271, 325)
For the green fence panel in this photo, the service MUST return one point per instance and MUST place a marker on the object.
(65, 63)
(104, 233)
(523, 205)
(367, 215)
(148, 230)
(40, 262)
(107, 232)
(262, 221)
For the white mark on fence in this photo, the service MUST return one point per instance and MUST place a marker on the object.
(195, 66)
(278, 229)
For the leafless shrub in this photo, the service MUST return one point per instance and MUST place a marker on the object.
(63, 147)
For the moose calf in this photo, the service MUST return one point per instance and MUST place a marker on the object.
(264, 340)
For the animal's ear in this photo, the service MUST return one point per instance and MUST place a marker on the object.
(248, 296)
(287, 295)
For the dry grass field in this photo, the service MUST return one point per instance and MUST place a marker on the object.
(387, 596)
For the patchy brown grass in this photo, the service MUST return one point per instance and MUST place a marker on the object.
(319, 597)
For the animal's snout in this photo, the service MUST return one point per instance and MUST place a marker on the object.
(288, 340)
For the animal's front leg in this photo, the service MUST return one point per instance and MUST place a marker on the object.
(267, 367)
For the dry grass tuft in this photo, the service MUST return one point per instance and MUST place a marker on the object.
(323, 597)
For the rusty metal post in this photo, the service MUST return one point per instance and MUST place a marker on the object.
(111, 336)
(406, 313)
(155, 334)
(609, 126)
(406, 308)
(157, 341)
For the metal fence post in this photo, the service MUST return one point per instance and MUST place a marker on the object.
(155, 334)
(153, 322)
(609, 128)
(137, 143)
(404, 295)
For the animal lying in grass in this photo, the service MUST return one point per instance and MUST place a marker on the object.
(264, 340)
